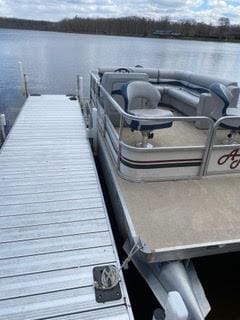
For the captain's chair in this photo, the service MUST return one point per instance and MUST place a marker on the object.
(112, 82)
(225, 95)
(141, 99)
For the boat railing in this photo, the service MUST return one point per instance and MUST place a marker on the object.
(97, 91)
(217, 152)
(124, 115)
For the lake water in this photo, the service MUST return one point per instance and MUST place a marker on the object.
(52, 61)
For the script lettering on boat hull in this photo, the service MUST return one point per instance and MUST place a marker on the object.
(232, 158)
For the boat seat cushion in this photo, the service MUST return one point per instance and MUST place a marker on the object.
(184, 95)
(142, 99)
(232, 124)
(233, 112)
(207, 81)
(182, 100)
(152, 125)
(191, 103)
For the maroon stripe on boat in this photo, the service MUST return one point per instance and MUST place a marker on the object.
(162, 161)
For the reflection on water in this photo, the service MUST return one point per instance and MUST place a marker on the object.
(52, 60)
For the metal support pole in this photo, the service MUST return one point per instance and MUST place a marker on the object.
(2, 126)
(26, 85)
(121, 123)
(80, 87)
(24, 80)
(94, 129)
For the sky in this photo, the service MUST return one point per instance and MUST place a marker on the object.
(54, 10)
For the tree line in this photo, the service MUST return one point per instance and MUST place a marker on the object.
(131, 26)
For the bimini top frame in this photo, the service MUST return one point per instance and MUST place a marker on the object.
(162, 162)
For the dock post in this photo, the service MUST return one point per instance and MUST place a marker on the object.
(2, 127)
(80, 87)
(94, 129)
(23, 80)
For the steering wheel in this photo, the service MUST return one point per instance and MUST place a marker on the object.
(123, 70)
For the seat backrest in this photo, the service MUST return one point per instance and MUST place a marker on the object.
(224, 95)
(152, 73)
(113, 81)
(139, 95)
(207, 81)
(165, 74)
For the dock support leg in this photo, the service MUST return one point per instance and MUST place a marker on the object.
(94, 129)
(80, 88)
(2, 127)
(24, 80)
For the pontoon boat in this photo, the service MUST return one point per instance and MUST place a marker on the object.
(169, 144)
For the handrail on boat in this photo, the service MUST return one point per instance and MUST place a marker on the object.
(212, 128)
(211, 145)
(124, 115)
(137, 118)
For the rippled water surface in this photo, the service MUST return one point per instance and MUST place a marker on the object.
(52, 60)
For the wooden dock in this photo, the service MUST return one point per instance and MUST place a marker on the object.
(54, 226)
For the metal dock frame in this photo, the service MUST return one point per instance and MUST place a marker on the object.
(54, 226)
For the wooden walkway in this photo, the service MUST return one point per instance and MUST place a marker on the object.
(53, 223)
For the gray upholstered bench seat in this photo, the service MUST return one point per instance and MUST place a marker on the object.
(183, 95)
(182, 99)
(187, 92)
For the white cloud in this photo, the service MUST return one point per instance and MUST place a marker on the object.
(4, 8)
(201, 10)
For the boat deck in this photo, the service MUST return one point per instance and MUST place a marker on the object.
(181, 134)
(187, 218)
(180, 219)
(185, 213)
(53, 222)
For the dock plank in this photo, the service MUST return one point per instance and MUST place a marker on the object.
(52, 230)
(41, 218)
(55, 261)
(53, 222)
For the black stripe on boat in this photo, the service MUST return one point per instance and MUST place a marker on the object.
(157, 164)
(161, 164)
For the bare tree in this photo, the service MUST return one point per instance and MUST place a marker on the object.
(132, 26)
(224, 22)
(224, 25)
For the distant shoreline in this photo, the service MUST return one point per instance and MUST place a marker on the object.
(204, 39)
(133, 27)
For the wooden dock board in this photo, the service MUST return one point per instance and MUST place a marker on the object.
(53, 222)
